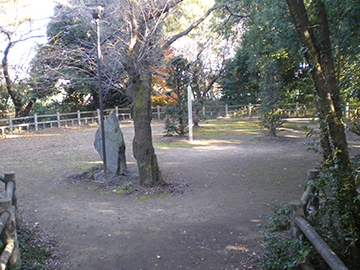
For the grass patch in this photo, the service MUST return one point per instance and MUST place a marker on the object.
(147, 196)
(234, 128)
(105, 192)
(89, 172)
(128, 185)
(172, 144)
(97, 187)
(125, 188)
(118, 190)
(299, 125)
(216, 129)
(163, 195)
(144, 197)
(132, 188)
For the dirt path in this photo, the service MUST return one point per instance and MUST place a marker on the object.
(212, 225)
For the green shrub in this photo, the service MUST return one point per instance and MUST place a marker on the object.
(279, 250)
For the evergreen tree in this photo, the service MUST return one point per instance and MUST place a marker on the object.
(239, 84)
(178, 81)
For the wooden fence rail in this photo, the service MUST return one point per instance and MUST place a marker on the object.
(253, 110)
(83, 117)
(10, 255)
(57, 120)
(299, 224)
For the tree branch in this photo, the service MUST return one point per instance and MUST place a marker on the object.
(195, 24)
(169, 5)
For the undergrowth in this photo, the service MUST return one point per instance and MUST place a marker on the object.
(131, 186)
(333, 221)
(280, 250)
(36, 253)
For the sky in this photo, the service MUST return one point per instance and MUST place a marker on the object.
(40, 12)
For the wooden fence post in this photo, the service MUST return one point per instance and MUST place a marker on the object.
(117, 112)
(79, 117)
(98, 115)
(58, 119)
(36, 122)
(297, 208)
(158, 111)
(10, 176)
(249, 110)
(312, 174)
(10, 234)
(226, 110)
(347, 110)
(11, 125)
(297, 109)
(309, 198)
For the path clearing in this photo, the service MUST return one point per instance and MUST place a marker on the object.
(212, 225)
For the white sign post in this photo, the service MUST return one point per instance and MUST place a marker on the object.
(190, 120)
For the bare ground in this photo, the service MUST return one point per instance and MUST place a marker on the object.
(209, 222)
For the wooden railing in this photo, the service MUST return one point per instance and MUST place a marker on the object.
(57, 120)
(295, 110)
(83, 117)
(299, 224)
(10, 255)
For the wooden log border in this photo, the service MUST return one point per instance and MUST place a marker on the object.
(8, 205)
(299, 224)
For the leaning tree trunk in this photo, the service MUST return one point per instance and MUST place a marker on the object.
(143, 148)
(323, 74)
(21, 108)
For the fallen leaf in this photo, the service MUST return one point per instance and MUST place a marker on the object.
(238, 248)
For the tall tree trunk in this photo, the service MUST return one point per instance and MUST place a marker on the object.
(325, 82)
(137, 55)
(21, 109)
(143, 148)
(323, 74)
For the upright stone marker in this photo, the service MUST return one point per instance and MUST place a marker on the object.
(114, 143)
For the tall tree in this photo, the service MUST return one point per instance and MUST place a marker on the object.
(68, 62)
(271, 95)
(132, 36)
(142, 53)
(266, 38)
(12, 30)
(239, 82)
(141, 56)
(319, 55)
(178, 82)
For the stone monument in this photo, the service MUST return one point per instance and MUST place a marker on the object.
(114, 145)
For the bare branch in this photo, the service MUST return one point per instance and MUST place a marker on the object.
(239, 17)
(169, 5)
(195, 24)
(161, 74)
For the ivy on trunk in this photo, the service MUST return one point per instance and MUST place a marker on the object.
(333, 141)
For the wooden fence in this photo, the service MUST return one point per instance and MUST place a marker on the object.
(57, 120)
(83, 117)
(299, 208)
(10, 255)
(253, 110)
